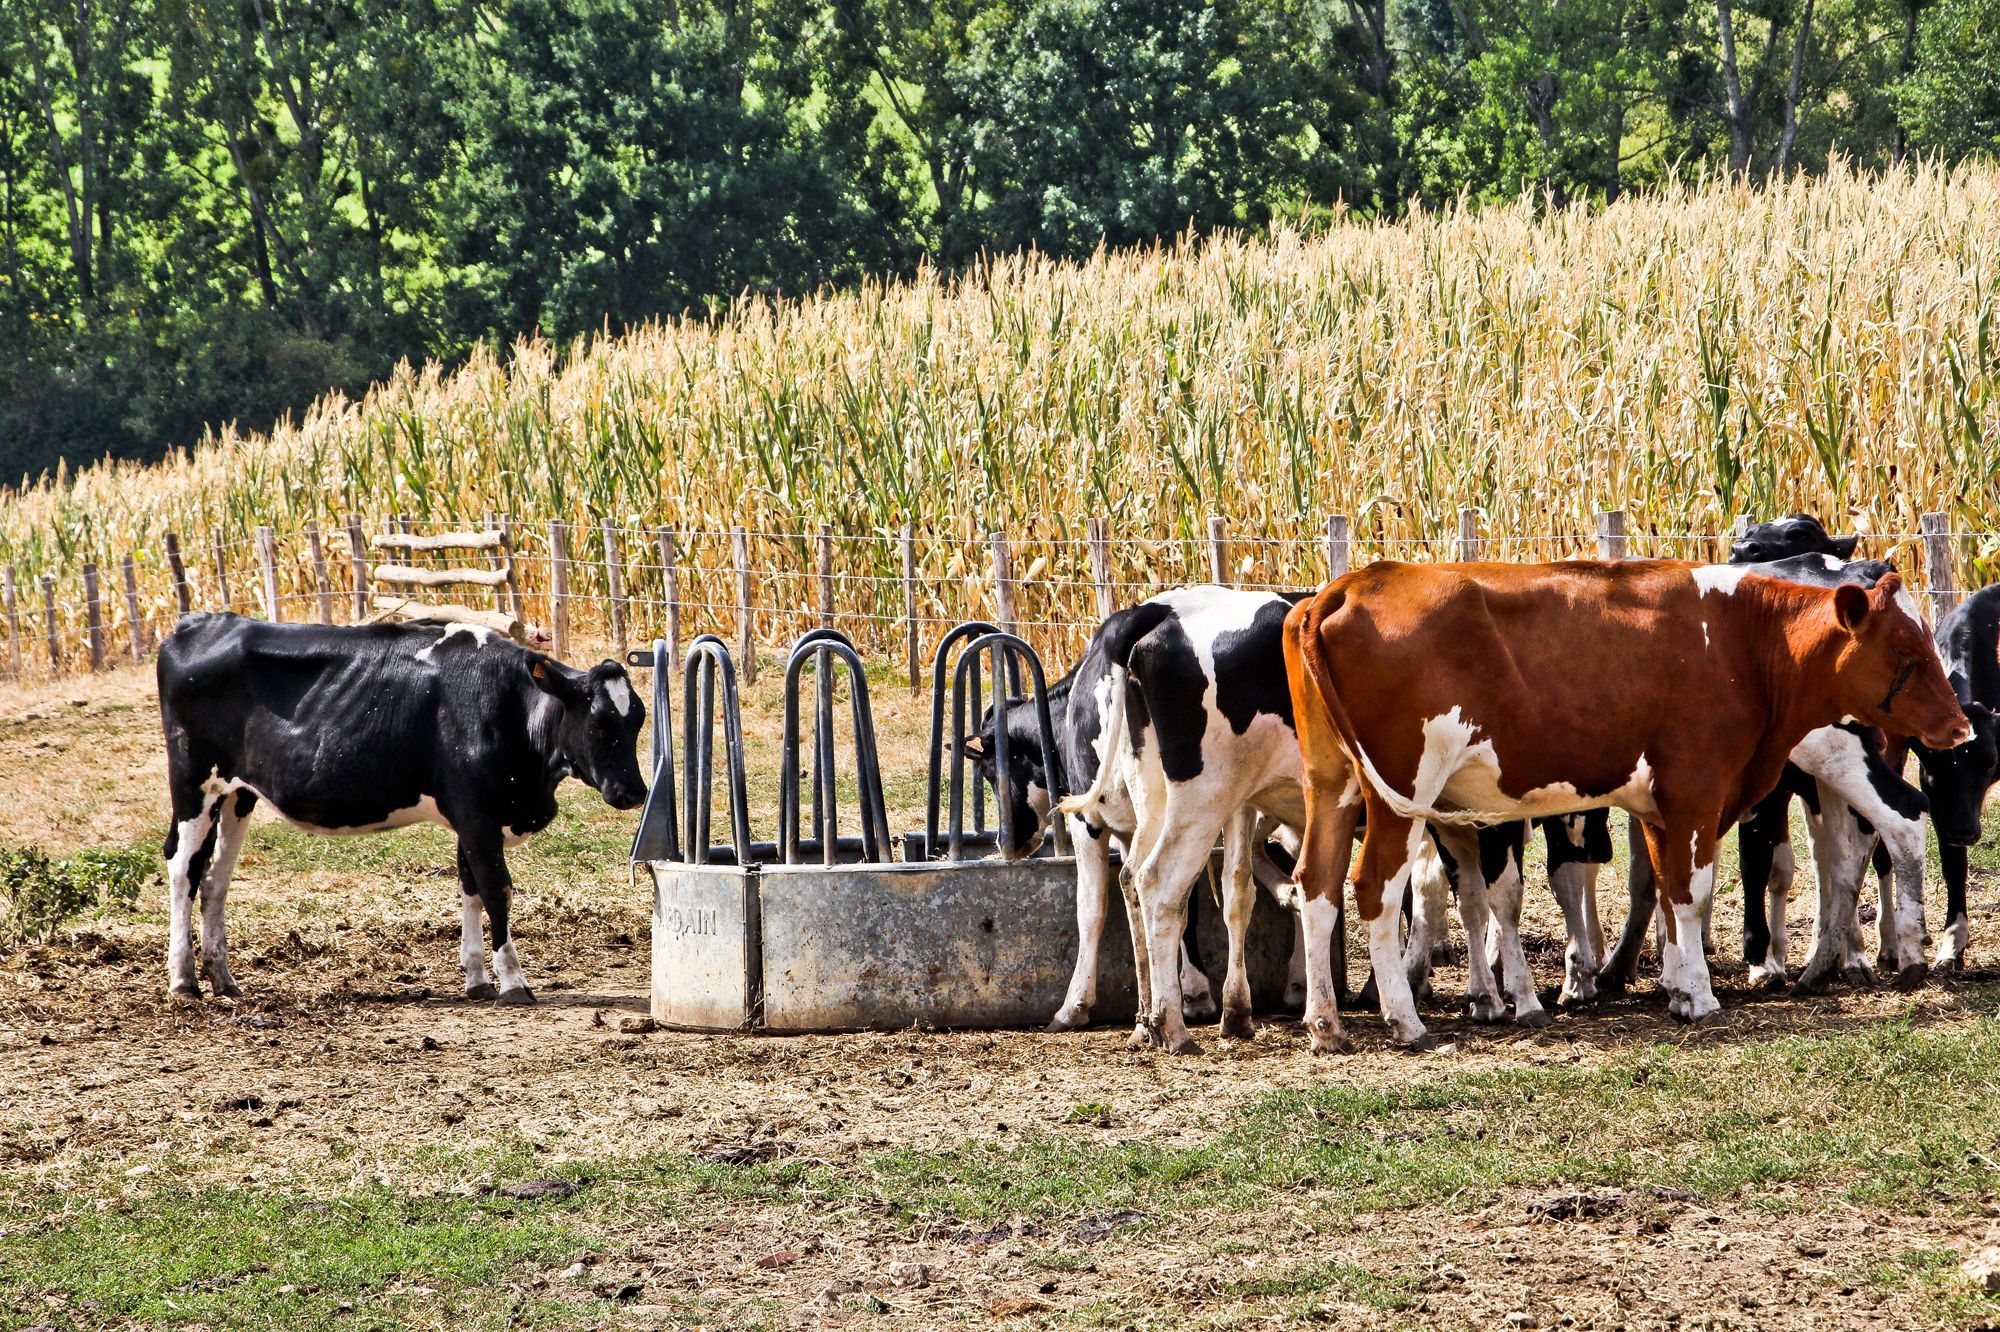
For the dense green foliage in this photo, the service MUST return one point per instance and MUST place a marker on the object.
(214, 209)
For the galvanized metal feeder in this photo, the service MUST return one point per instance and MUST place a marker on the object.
(820, 931)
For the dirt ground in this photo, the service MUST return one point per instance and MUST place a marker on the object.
(351, 1057)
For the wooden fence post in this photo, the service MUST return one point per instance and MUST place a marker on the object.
(357, 565)
(746, 639)
(132, 619)
(1940, 570)
(910, 605)
(1003, 580)
(506, 526)
(13, 622)
(322, 585)
(1339, 555)
(670, 592)
(614, 588)
(825, 575)
(1100, 565)
(1611, 534)
(49, 618)
(1468, 535)
(93, 615)
(1218, 550)
(183, 594)
(559, 588)
(222, 574)
(267, 564)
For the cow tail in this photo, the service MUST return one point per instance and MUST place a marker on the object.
(1311, 649)
(1121, 633)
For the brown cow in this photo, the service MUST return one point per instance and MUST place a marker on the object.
(1475, 693)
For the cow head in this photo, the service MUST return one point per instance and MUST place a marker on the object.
(1888, 673)
(1027, 783)
(1956, 780)
(595, 735)
(1800, 534)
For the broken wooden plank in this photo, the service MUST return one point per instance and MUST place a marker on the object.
(413, 576)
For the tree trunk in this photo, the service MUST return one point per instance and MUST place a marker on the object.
(1901, 149)
(1791, 130)
(1732, 86)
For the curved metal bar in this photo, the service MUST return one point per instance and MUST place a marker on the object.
(707, 657)
(659, 834)
(970, 629)
(1009, 653)
(822, 647)
(824, 812)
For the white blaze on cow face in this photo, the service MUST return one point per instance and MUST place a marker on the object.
(1719, 578)
(620, 694)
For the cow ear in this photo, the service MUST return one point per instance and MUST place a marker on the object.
(1850, 606)
(1844, 546)
(553, 680)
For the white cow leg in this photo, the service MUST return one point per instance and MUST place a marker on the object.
(232, 825)
(1696, 992)
(1430, 898)
(1777, 904)
(1574, 885)
(1093, 902)
(1239, 902)
(1197, 995)
(472, 948)
(1389, 864)
(189, 851)
(1833, 915)
(1482, 993)
(1163, 881)
(1515, 972)
(1906, 843)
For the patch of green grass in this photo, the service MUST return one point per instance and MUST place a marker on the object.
(1947, 1296)
(1308, 1284)
(237, 1258)
(1887, 1114)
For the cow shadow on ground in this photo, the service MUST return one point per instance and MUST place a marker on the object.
(1749, 1015)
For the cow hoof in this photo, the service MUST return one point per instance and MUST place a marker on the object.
(1183, 1044)
(1140, 1039)
(520, 994)
(481, 991)
(1610, 984)
(1808, 985)
(226, 988)
(1328, 1037)
(1767, 975)
(1236, 1025)
(1070, 1019)
(1484, 1008)
(1534, 1017)
(187, 991)
(1423, 1044)
(1860, 975)
(1912, 977)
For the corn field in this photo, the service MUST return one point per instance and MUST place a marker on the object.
(1686, 356)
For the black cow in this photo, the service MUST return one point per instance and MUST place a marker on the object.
(354, 730)
(1957, 780)
(1800, 534)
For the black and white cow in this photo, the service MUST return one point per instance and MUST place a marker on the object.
(1800, 534)
(1200, 673)
(356, 730)
(1957, 780)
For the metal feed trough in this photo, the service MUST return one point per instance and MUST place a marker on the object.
(825, 931)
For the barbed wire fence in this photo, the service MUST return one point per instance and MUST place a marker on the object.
(607, 587)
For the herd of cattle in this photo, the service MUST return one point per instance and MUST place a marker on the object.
(1431, 711)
